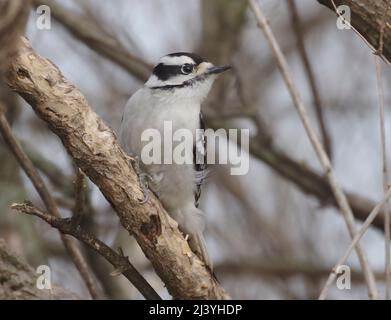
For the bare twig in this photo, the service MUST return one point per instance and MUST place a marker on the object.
(387, 212)
(95, 38)
(50, 204)
(354, 244)
(296, 23)
(323, 158)
(120, 262)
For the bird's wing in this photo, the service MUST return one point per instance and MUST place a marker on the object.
(199, 156)
(130, 123)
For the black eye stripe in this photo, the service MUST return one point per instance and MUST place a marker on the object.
(164, 72)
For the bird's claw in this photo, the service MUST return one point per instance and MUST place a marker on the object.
(143, 179)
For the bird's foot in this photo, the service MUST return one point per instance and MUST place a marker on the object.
(143, 179)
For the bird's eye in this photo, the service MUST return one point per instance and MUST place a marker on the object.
(187, 68)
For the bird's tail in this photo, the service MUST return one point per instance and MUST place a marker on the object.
(198, 245)
(193, 225)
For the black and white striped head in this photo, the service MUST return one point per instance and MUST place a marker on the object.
(185, 73)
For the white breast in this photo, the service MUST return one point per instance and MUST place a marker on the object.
(145, 110)
(175, 184)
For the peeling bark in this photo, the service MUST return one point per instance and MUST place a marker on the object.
(93, 146)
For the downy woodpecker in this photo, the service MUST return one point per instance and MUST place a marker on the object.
(174, 92)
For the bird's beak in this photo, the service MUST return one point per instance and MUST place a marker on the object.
(216, 70)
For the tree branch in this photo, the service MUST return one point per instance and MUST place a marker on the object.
(354, 244)
(317, 102)
(93, 146)
(368, 17)
(80, 197)
(306, 179)
(387, 212)
(96, 39)
(324, 160)
(120, 262)
(50, 204)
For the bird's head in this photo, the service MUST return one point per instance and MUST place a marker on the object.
(184, 74)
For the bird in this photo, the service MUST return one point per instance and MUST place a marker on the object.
(174, 92)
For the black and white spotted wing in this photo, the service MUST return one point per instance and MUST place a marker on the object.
(199, 156)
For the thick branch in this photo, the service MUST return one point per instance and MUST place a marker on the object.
(93, 146)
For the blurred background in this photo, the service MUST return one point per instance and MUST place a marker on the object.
(273, 233)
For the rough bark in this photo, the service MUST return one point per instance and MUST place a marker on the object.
(18, 280)
(368, 17)
(93, 146)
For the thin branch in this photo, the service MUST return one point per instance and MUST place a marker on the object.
(322, 156)
(95, 38)
(49, 202)
(304, 177)
(354, 244)
(80, 197)
(387, 211)
(296, 23)
(119, 261)
(56, 176)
